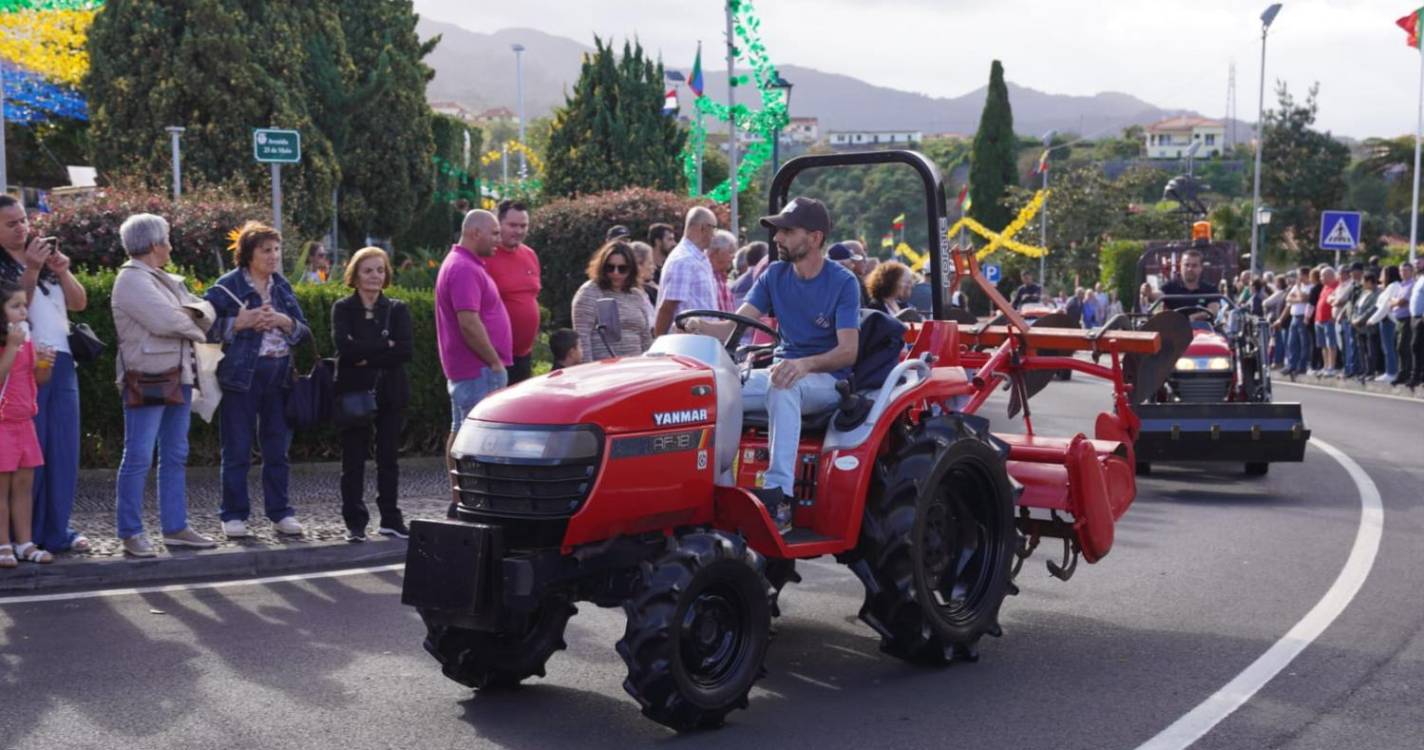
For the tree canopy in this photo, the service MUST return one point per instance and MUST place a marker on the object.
(993, 169)
(1302, 169)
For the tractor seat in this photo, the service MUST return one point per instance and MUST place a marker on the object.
(810, 423)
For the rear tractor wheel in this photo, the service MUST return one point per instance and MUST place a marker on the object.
(698, 627)
(486, 661)
(937, 544)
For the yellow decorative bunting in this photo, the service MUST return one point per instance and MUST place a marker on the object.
(514, 147)
(1005, 238)
(50, 43)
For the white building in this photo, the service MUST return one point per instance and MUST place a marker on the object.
(852, 138)
(802, 130)
(453, 109)
(1170, 138)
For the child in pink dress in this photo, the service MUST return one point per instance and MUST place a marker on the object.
(21, 370)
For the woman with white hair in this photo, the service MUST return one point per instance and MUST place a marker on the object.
(158, 322)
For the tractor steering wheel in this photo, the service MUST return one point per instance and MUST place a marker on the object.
(743, 323)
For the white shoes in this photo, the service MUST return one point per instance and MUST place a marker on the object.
(289, 526)
(236, 529)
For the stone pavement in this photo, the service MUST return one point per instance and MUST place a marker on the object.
(1350, 384)
(314, 493)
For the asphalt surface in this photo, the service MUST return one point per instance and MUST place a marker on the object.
(1209, 570)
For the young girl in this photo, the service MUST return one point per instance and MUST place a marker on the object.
(21, 369)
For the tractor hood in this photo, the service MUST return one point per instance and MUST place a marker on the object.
(1206, 342)
(631, 394)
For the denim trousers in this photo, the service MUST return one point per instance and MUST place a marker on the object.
(464, 394)
(145, 427)
(1278, 347)
(57, 425)
(258, 413)
(1387, 343)
(1350, 344)
(1298, 345)
(812, 394)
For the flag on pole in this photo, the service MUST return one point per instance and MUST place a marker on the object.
(965, 200)
(898, 222)
(1410, 24)
(888, 240)
(1042, 163)
(670, 102)
(694, 81)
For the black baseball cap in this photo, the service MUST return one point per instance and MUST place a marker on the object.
(616, 232)
(841, 251)
(800, 213)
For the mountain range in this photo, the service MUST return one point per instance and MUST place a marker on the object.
(477, 70)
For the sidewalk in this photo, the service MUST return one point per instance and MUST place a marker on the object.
(1350, 384)
(314, 494)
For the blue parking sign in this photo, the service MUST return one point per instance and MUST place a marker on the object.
(992, 272)
(1339, 230)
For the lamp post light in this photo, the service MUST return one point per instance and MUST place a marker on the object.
(785, 85)
(1043, 218)
(1263, 220)
(519, 87)
(1266, 18)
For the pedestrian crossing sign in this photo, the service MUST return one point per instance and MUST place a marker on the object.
(1339, 230)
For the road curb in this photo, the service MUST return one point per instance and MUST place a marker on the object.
(79, 573)
(1351, 386)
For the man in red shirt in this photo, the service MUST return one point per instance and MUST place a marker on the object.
(515, 270)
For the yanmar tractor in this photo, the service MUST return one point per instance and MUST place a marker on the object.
(625, 483)
(1215, 404)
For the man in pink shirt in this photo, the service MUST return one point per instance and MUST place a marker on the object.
(471, 326)
(515, 270)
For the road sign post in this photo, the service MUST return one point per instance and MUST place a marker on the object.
(1339, 230)
(992, 272)
(276, 147)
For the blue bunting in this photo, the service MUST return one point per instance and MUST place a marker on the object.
(30, 99)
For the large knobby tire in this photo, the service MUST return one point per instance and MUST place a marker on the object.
(937, 543)
(698, 628)
(488, 661)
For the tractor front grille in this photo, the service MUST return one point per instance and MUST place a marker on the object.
(1203, 388)
(524, 490)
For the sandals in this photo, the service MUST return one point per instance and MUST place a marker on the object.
(31, 553)
(81, 544)
(7, 556)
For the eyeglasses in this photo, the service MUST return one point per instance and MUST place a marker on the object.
(610, 268)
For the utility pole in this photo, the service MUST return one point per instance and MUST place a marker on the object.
(519, 87)
(1266, 19)
(174, 132)
(732, 119)
(4, 176)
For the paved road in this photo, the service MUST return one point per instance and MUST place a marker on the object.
(1210, 569)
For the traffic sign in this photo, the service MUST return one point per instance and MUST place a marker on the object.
(992, 272)
(1339, 230)
(271, 146)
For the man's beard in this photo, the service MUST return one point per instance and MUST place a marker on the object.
(790, 255)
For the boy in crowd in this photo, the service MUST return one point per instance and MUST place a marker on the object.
(564, 345)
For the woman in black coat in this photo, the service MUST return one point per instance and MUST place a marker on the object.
(373, 344)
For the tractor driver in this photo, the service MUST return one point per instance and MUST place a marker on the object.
(1191, 283)
(817, 309)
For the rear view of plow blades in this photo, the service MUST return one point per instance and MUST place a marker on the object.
(1251, 433)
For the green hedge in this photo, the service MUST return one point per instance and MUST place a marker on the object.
(102, 421)
(1118, 262)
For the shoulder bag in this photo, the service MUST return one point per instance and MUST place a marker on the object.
(358, 408)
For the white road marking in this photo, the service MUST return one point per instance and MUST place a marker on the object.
(1349, 391)
(109, 593)
(1200, 720)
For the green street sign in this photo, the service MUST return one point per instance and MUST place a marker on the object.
(276, 146)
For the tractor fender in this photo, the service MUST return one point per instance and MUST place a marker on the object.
(739, 510)
(1088, 497)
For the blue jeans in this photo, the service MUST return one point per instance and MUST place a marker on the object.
(260, 412)
(1387, 344)
(1297, 345)
(57, 424)
(1350, 344)
(145, 427)
(1325, 334)
(1278, 347)
(464, 394)
(812, 394)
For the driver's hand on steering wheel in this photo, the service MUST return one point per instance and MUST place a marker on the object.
(787, 372)
(688, 327)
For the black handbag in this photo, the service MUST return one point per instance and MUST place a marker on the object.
(84, 346)
(358, 408)
(310, 398)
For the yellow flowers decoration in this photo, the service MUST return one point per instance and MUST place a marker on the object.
(1005, 239)
(232, 238)
(514, 147)
(50, 43)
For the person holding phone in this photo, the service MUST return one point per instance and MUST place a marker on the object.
(42, 271)
(612, 275)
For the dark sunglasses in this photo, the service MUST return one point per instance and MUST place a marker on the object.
(610, 268)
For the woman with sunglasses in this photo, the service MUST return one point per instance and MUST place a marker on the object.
(612, 274)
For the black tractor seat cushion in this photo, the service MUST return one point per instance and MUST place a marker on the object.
(809, 422)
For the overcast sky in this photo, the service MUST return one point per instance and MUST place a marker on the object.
(1170, 54)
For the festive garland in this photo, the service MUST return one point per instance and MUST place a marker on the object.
(514, 147)
(1005, 238)
(43, 50)
(765, 122)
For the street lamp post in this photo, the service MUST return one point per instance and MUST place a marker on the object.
(173, 134)
(779, 83)
(1043, 218)
(1263, 220)
(519, 87)
(1266, 18)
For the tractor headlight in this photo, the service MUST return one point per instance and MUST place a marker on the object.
(1199, 364)
(1218, 363)
(487, 440)
(1187, 363)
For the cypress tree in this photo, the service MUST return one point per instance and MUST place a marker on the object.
(611, 132)
(992, 169)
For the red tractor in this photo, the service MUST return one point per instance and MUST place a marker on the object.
(626, 482)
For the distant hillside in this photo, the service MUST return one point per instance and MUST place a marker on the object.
(478, 70)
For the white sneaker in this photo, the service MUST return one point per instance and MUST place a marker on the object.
(1384, 378)
(289, 526)
(236, 529)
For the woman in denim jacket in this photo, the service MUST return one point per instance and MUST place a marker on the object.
(258, 324)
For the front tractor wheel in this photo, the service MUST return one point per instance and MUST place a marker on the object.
(937, 544)
(487, 661)
(698, 627)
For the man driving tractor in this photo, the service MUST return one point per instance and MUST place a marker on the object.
(1179, 291)
(817, 308)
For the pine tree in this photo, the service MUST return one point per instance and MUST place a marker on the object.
(992, 169)
(611, 132)
(387, 150)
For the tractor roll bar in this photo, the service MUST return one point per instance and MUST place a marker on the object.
(935, 203)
